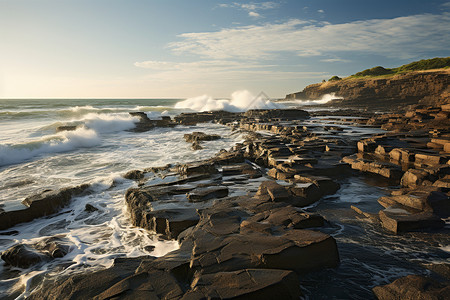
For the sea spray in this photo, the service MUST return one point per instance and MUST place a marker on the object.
(240, 101)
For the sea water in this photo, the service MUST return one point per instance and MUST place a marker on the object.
(34, 157)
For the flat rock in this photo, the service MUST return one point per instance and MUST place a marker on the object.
(39, 205)
(170, 222)
(206, 193)
(246, 284)
(413, 287)
(399, 221)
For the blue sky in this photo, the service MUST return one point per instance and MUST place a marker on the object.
(178, 49)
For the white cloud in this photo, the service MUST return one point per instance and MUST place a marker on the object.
(446, 5)
(254, 14)
(252, 7)
(320, 11)
(402, 37)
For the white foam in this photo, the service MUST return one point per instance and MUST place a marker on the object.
(61, 142)
(325, 99)
(240, 101)
(105, 123)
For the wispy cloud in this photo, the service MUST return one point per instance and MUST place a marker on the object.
(252, 7)
(320, 11)
(402, 37)
(446, 5)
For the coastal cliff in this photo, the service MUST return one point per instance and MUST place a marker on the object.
(429, 87)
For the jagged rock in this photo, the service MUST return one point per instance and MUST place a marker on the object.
(387, 170)
(273, 190)
(90, 208)
(200, 136)
(197, 168)
(245, 284)
(399, 154)
(413, 178)
(134, 174)
(196, 146)
(413, 287)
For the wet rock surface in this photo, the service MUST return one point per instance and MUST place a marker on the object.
(240, 217)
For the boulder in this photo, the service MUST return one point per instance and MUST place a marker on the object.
(275, 191)
(134, 175)
(413, 178)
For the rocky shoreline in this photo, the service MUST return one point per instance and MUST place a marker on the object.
(239, 217)
(383, 93)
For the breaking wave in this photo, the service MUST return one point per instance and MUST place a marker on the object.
(240, 101)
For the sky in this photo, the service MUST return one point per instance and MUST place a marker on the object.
(180, 49)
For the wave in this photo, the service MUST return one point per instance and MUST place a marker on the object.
(240, 101)
(85, 136)
(325, 99)
(61, 142)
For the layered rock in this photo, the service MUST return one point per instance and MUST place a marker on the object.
(425, 87)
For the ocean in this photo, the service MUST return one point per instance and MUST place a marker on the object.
(35, 157)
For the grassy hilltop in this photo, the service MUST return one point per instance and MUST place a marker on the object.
(421, 65)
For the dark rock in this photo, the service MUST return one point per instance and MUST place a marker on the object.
(45, 203)
(442, 269)
(275, 191)
(22, 256)
(246, 284)
(206, 193)
(87, 286)
(298, 250)
(399, 221)
(413, 287)
(134, 175)
(196, 146)
(66, 128)
(90, 208)
(200, 136)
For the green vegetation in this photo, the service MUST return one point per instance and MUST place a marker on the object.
(424, 64)
(335, 78)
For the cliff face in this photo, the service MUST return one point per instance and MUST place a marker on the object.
(422, 87)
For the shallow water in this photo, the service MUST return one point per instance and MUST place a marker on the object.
(370, 256)
(33, 157)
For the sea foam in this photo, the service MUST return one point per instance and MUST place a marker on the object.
(240, 101)
(85, 136)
